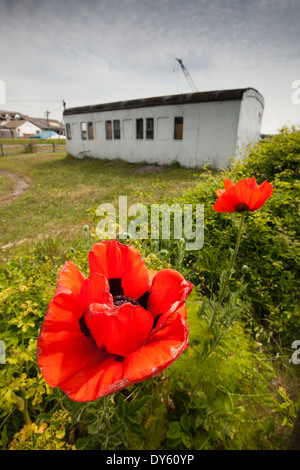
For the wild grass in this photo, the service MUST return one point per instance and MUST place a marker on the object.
(63, 189)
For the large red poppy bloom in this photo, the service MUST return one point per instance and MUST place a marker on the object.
(243, 196)
(122, 325)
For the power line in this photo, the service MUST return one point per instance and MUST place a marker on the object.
(35, 101)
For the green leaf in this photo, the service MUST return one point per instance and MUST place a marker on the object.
(186, 421)
(135, 406)
(187, 441)
(4, 438)
(199, 421)
(175, 430)
(60, 433)
(121, 407)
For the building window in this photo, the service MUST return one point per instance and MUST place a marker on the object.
(149, 128)
(90, 131)
(68, 131)
(178, 128)
(108, 130)
(117, 129)
(83, 130)
(139, 128)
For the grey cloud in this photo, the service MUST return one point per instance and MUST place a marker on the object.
(121, 48)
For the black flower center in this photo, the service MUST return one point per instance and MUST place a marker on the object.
(123, 299)
(115, 287)
(117, 292)
(241, 207)
(83, 327)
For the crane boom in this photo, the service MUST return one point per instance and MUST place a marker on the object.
(187, 76)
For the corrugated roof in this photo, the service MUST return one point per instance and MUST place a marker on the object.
(13, 124)
(10, 113)
(200, 97)
(44, 123)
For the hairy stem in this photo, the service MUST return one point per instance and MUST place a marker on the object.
(232, 261)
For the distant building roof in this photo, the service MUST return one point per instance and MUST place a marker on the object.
(13, 124)
(200, 97)
(45, 124)
(11, 114)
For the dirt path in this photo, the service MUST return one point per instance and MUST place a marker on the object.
(19, 183)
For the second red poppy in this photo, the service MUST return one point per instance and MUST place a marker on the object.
(243, 196)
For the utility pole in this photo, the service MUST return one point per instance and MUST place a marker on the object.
(47, 117)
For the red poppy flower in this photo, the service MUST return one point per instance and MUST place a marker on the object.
(122, 325)
(243, 196)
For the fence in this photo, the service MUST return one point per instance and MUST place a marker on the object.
(11, 149)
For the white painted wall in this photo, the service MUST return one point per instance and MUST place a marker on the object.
(252, 108)
(218, 123)
(27, 128)
(211, 132)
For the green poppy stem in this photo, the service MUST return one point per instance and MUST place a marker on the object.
(232, 261)
(25, 412)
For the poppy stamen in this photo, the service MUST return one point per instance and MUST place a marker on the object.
(241, 207)
(123, 299)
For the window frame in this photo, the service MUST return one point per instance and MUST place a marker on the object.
(108, 130)
(150, 131)
(178, 132)
(140, 131)
(68, 131)
(83, 130)
(117, 132)
(90, 130)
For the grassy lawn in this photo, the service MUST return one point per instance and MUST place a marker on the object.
(62, 189)
(6, 186)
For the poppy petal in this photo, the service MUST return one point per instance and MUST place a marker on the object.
(228, 184)
(265, 191)
(266, 188)
(119, 329)
(62, 348)
(102, 376)
(158, 353)
(95, 289)
(169, 291)
(117, 261)
(70, 279)
(226, 202)
(183, 311)
(219, 192)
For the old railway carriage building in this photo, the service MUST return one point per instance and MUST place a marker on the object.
(193, 129)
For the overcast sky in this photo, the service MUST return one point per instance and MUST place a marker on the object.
(96, 51)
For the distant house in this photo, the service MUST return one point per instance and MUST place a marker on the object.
(8, 115)
(47, 124)
(18, 128)
(192, 129)
(18, 125)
